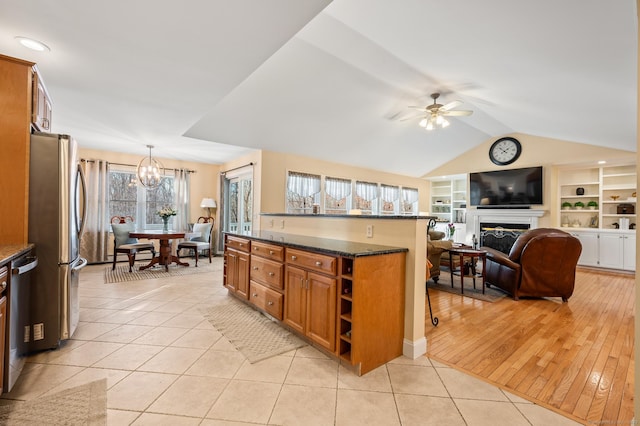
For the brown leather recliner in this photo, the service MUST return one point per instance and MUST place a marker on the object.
(541, 263)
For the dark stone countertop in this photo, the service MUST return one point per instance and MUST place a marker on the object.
(323, 245)
(352, 216)
(8, 252)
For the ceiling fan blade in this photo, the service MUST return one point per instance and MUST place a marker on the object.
(411, 117)
(457, 112)
(416, 107)
(451, 105)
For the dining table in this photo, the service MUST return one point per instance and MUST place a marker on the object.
(164, 256)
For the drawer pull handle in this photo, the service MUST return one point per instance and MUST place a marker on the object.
(255, 268)
(294, 257)
(271, 252)
(255, 294)
(269, 303)
(255, 249)
(240, 244)
(318, 263)
(3, 285)
(271, 274)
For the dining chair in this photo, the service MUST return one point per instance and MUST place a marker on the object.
(204, 229)
(122, 243)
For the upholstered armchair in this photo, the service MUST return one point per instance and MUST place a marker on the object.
(436, 246)
(204, 229)
(541, 263)
(122, 243)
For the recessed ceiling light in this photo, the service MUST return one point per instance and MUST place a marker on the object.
(32, 44)
(602, 162)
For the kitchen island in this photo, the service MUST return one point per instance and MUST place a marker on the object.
(346, 298)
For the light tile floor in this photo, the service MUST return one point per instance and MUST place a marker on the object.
(165, 364)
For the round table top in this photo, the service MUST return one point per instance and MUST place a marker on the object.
(159, 234)
(467, 251)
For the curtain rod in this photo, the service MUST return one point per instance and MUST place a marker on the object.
(132, 165)
(236, 168)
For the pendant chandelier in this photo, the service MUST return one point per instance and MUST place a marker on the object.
(149, 171)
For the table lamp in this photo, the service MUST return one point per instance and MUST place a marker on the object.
(208, 203)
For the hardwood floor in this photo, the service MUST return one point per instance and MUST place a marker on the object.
(575, 358)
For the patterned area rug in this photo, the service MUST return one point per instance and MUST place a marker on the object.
(444, 284)
(82, 405)
(121, 273)
(251, 332)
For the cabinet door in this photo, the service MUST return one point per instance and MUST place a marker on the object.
(629, 259)
(589, 254)
(232, 270)
(295, 299)
(242, 288)
(611, 251)
(3, 324)
(321, 310)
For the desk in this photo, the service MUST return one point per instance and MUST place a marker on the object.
(473, 255)
(164, 257)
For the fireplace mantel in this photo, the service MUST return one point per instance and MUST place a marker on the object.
(520, 216)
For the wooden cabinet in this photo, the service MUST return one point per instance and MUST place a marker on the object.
(41, 104)
(351, 306)
(4, 280)
(15, 123)
(236, 266)
(310, 305)
(607, 249)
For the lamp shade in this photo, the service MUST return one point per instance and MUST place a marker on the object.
(209, 203)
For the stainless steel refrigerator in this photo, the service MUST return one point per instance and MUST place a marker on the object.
(57, 209)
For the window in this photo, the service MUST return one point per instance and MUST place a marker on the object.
(409, 201)
(366, 197)
(127, 198)
(337, 195)
(389, 198)
(303, 191)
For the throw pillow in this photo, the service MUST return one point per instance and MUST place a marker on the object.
(205, 232)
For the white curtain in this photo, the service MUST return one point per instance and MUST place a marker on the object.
(93, 245)
(367, 190)
(389, 194)
(181, 189)
(303, 184)
(409, 198)
(337, 188)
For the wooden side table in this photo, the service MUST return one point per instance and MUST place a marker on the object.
(472, 255)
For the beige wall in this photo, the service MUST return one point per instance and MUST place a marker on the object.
(552, 154)
(204, 182)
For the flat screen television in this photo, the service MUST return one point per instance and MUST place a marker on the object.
(506, 188)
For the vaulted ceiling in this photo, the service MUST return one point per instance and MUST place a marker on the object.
(207, 81)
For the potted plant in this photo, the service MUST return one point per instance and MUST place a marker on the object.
(566, 205)
(579, 205)
(592, 205)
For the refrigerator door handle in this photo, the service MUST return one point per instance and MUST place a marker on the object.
(83, 262)
(84, 201)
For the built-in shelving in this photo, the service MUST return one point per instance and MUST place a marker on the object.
(345, 308)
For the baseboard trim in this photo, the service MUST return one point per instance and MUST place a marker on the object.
(414, 349)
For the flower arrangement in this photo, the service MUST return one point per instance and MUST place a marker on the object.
(452, 229)
(167, 212)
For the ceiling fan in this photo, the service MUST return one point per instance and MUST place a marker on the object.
(435, 113)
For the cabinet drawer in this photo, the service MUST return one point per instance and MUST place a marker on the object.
(238, 243)
(314, 261)
(267, 272)
(269, 251)
(266, 299)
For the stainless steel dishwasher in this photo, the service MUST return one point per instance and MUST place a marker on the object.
(18, 313)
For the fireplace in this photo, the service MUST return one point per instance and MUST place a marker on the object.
(501, 236)
(499, 228)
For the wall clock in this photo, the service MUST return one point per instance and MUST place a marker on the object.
(505, 151)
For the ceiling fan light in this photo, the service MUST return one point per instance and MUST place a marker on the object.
(439, 120)
(423, 122)
(429, 125)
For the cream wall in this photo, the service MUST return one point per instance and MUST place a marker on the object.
(552, 154)
(276, 165)
(204, 182)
